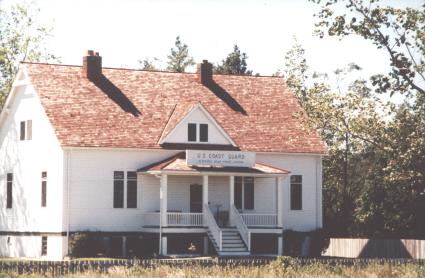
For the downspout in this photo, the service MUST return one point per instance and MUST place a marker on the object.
(317, 192)
(68, 174)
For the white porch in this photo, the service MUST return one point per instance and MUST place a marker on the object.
(218, 194)
(174, 211)
(228, 203)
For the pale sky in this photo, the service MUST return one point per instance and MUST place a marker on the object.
(129, 30)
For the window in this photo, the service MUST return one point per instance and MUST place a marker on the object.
(248, 193)
(238, 192)
(191, 132)
(43, 189)
(118, 189)
(119, 193)
(29, 129)
(296, 192)
(43, 245)
(131, 190)
(9, 183)
(22, 137)
(244, 193)
(26, 130)
(203, 129)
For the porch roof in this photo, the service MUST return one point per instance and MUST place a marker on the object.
(176, 164)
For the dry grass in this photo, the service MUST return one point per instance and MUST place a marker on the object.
(272, 270)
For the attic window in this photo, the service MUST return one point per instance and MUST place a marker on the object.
(25, 130)
(191, 132)
(203, 132)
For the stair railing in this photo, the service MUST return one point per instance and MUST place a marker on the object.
(209, 221)
(236, 219)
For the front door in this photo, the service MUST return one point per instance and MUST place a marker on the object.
(195, 198)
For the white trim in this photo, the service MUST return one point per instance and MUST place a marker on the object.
(189, 173)
(5, 110)
(209, 116)
(177, 151)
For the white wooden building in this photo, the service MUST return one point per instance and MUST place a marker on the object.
(197, 163)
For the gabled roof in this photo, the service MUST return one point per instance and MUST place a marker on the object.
(177, 163)
(176, 119)
(135, 108)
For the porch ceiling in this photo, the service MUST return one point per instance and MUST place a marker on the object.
(177, 164)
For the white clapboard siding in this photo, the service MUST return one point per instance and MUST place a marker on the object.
(26, 160)
(310, 217)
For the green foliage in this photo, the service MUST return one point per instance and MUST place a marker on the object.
(147, 64)
(373, 177)
(319, 242)
(292, 242)
(179, 59)
(85, 245)
(235, 63)
(398, 31)
(22, 38)
(295, 70)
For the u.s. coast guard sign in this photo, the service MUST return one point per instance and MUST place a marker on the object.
(220, 158)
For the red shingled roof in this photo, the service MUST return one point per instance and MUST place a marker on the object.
(134, 108)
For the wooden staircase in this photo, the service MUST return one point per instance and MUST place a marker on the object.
(232, 243)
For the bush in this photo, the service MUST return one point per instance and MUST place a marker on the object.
(292, 242)
(319, 243)
(85, 245)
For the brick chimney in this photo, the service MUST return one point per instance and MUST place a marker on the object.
(204, 72)
(92, 65)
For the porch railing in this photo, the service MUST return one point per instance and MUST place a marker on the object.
(151, 219)
(215, 231)
(236, 219)
(259, 219)
(185, 219)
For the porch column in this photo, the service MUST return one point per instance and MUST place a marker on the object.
(279, 246)
(163, 197)
(279, 182)
(204, 191)
(232, 190)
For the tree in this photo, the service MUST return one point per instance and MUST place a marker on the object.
(235, 63)
(399, 31)
(295, 70)
(392, 197)
(361, 144)
(179, 59)
(22, 38)
(147, 64)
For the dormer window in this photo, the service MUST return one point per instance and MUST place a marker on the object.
(192, 132)
(203, 132)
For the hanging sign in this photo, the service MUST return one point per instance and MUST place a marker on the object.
(220, 158)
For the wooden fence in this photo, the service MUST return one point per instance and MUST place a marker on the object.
(57, 268)
(376, 248)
